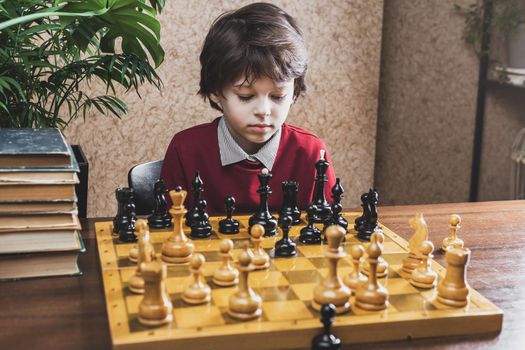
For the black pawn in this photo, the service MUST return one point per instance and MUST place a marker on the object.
(201, 228)
(337, 194)
(160, 217)
(126, 231)
(229, 225)
(123, 196)
(285, 247)
(197, 189)
(310, 234)
(290, 189)
(327, 340)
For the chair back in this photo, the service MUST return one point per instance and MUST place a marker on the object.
(142, 178)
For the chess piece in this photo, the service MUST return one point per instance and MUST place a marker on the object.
(382, 265)
(454, 222)
(160, 218)
(333, 217)
(197, 189)
(285, 247)
(263, 216)
(337, 208)
(126, 231)
(423, 276)
(245, 304)
(289, 208)
(366, 224)
(198, 292)
(419, 225)
(372, 296)
(200, 225)
(260, 259)
(331, 290)
(226, 275)
(355, 279)
(229, 225)
(327, 341)
(177, 248)
(453, 290)
(156, 308)
(319, 199)
(123, 195)
(133, 254)
(310, 234)
(146, 253)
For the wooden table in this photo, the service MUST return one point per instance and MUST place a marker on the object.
(69, 312)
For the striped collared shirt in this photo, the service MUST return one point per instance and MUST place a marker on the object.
(232, 153)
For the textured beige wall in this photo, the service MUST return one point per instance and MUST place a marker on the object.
(341, 106)
(427, 104)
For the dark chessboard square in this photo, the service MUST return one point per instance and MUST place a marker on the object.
(306, 276)
(125, 262)
(157, 247)
(395, 259)
(393, 274)
(212, 256)
(322, 262)
(410, 302)
(178, 271)
(280, 293)
(319, 262)
(135, 326)
(209, 281)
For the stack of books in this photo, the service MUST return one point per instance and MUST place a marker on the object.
(39, 225)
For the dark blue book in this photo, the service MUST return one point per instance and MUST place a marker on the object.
(33, 148)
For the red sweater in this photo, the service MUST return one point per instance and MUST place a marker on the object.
(197, 148)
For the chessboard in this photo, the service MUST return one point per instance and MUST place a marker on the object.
(288, 320)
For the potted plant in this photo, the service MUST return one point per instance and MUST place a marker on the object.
(507, 24)
(51, 51)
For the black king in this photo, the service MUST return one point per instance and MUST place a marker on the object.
(263, 216)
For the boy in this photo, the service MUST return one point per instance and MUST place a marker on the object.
(254, 64)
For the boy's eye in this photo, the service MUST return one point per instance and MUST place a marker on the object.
(245, 98)
(279, 98)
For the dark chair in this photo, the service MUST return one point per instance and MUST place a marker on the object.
(142, 178)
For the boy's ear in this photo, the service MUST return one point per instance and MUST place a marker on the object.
(215, 98)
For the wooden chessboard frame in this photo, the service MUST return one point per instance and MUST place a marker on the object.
(285, 324)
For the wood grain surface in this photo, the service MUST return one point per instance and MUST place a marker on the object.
(69, 312)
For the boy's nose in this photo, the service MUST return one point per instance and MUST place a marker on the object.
(263, 108)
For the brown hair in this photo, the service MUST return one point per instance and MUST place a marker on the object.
(257, 40)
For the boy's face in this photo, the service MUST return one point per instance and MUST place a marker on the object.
(255, 112)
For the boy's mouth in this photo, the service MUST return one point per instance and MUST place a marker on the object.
(260, 127)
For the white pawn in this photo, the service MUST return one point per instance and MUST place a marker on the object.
(226, 275)
(197, 292)
(355, 279)
(454, 222)
(382, 264)
(423, 276)
(245, 304)
(146, 253)
(260, 259)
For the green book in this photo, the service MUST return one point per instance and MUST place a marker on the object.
(34, 148)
